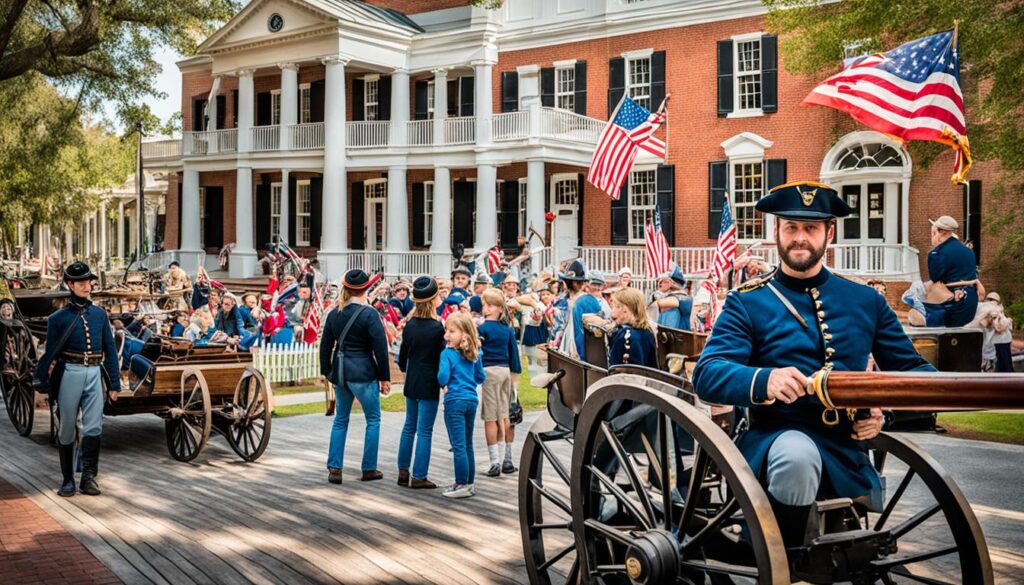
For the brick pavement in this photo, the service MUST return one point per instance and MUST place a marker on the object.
(35, 549)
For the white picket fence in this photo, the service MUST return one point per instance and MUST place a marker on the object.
(280, 362)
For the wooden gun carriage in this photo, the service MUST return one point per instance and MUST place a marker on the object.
(628, 479)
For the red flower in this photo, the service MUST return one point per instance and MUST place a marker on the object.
(549, 216)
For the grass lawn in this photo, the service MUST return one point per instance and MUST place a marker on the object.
(285, 390)
(1002, 427)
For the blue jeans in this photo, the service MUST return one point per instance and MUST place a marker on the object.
(81, 387)
(458, 419)
(368, 394)
(794, 469)
(419, 427)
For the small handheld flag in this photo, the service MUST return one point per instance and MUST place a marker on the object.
(631, 128)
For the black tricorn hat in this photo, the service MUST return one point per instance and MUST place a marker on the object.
(78, 271)
(574, 271)
(424, 288)
(356, 279)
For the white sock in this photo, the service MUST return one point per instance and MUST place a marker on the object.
(492, 452)
(508, 451)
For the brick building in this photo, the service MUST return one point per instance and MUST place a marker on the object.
(370, 137)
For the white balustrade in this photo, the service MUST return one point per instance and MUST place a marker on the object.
(287, 362)
(210, 142)
(161, 149)
(394, 264)
(307, 136)
(566, 125)
(265, 138)
(460, 130)
(510, 126)
(373, 134)
(421, 133)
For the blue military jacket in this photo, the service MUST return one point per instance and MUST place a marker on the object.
(755, 333)
(630, 345)
(90, 333)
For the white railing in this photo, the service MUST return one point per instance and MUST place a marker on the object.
(871, 259)
(397, 264)
(266, 138)
(541, 259)
(610, 259)
(306, 136)
(421, 133)
(566, 125)
(510, 126)
(210, 142)
(279, 362)
(159, 261)
(373, 134)
(161, 149)
(460, 130)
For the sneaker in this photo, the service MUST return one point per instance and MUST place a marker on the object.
(494, 471)
(472, 488)
(507, 467)
(457, 491)
(334, 475)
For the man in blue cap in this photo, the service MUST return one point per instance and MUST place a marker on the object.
(773, 334)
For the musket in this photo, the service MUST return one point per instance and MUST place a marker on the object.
(918, 390)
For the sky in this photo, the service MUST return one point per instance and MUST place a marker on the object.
(169, 82)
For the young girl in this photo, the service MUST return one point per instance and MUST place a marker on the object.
(633, 342)
(502, 365)
(460, 372)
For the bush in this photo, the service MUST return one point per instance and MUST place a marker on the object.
(1015, 311)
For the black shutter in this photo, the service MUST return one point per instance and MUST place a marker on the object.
(718, 183)
(509, 91)
(776, 174)
(384, 98)
(358, 235)
(316, 210)
(769, 74)
(222, 110)
(463, 201)
(580, 80)
(293, 187)
(420, 110)
(725, 97)
(263, 115)
(657, 79)
(453, 98)
(263, 212)
(234, 106)
(616, 82)
(180, 191)
(580, 183)
(317, 97)
(547, 87)
(198, 115)
(358, 100)
(620, 216)
(972, 217)
(666, 185)
(509, 216)
(419, 209)
(466, 96)
(214, 221)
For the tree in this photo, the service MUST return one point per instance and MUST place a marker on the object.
(814, 35)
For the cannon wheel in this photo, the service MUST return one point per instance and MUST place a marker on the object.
(16, 383)
(623, 533)
(948, 513)
(188, 423)
(249, 413)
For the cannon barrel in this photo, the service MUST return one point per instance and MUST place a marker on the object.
(919, 390)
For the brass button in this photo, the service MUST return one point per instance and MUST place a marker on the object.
(828, 337)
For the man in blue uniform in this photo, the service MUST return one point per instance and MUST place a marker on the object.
(953, 264)
(774, 333)
(80, 353)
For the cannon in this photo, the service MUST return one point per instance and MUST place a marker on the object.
(628, 479)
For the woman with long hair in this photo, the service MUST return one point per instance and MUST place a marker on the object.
(354, 358)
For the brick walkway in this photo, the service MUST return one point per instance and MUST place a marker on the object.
(35, 549)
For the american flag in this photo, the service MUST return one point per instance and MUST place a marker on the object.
(495, 258)
(658, 257)
(911, 92)
(725, 254)
(312, 321)
(631, 129)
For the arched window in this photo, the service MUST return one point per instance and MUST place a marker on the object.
(869, 155)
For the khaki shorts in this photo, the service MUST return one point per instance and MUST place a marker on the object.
(496, 394)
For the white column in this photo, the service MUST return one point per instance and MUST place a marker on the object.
(120, 230)
(442, 220)
(104, 244)
(283, 230)
(399, 107)
(243, 259)
(87, 230)
(398, 218)
(334, 234)
(486, 207)
(289, 101)
(440, 103)
(244, 112)
(188, 240)
(535, 200)
(69, 249)
(483, 101)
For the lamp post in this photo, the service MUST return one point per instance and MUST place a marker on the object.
(141, 197)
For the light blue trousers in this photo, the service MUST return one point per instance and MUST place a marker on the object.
(81, 387)
(794, 469)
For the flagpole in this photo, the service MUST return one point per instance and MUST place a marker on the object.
(661, 108)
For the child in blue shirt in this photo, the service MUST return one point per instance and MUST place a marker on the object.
(633, 342)
(502, 366)
(460, 372)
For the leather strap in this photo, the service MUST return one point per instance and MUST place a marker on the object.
(789, 305)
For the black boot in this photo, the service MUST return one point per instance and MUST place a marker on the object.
(793, 522)
(67, 469)
(90, 465)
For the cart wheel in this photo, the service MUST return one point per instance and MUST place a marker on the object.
(249, 413)
(188, 424)
(16, 381)
(545, 512)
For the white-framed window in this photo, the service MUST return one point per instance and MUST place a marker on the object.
(275, 107)
(565, 88)
(305, 103)
(202, 217)
(428, 213)
(371, 87)
(747, 189)
(303, 213)
(275, 211)
(566, 192)
(747, 76)
(643, 198)
(523, 226)
(430, 100)
(638, 80)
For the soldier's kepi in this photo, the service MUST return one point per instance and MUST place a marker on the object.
(775, 332)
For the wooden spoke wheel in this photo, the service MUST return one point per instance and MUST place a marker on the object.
(188, 422)
(660, 494)
(248, 415)
(545, 511)
(16, 378)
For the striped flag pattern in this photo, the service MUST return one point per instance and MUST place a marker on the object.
(631, 129)
(725, 254)
(658, 256)
(911, 92)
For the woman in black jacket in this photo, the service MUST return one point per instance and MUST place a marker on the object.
(418, 357)
(354, 358)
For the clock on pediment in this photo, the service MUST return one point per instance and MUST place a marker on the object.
(275, 23)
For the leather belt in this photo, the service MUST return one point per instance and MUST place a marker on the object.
(90, 359)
